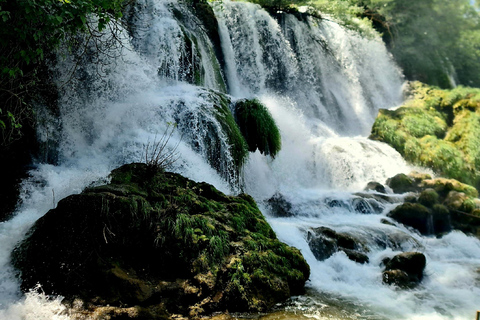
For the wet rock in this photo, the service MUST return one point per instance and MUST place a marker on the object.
(324, 242)
(375, 186)
(459, 201)
(402, 183)
(413, 215)
(162, 242)
(428, 197)
(404, 270)
(279, 206)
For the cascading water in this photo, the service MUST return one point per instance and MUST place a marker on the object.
(323, 85)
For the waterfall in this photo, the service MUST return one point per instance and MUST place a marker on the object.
(323, 85)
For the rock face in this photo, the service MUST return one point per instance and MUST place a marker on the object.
(324, 242)
(162, 243)
(404, 270)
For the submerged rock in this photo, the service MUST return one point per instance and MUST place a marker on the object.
(404, 270)
(324, 242)
(279, 206)
(162, 242)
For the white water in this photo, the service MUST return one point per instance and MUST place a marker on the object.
(322, 84)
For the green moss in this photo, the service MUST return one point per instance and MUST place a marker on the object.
(258, 127)
(438, 129)
(238, 145)
(428, 198)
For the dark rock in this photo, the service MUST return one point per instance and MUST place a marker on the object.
(335, 203)
(279, 206)
(160, 241)
(402, 183)
(396, 277)
(356, 256)
(375, 186)
(322, 247)
(404, 270)
(428, 197)
(441, 219)
(468, 223)
(413, 215)
(324, 242)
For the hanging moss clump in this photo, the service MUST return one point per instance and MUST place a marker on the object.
(238, 146)
(258, 127)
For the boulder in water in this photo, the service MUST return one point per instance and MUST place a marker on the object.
(402, 183)
(279, 206)
(324, 242)
(404, 270)
(375, 186)
(162, 242)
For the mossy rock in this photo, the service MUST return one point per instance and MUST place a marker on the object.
(404, 270)
(428, 221)
(428, 197)
(402, 183)
(258, 127)
(414, 215)
(443, 186)
(163, 242)
(437, 129)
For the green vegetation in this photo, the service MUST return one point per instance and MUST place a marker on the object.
(424, 43)
(238, 145)
(29, 31)
(150, 232)
(437, 129)
(258, 127)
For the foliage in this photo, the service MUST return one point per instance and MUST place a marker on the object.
(258, 127)
(29, 31)
(438, 129)
(349, 13)
(424, 42)
(275, 5)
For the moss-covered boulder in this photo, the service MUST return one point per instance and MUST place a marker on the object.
(436, 206)
(163, 243)
(402, 183)
(404, 270)
(427, 221)
(437, 129)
